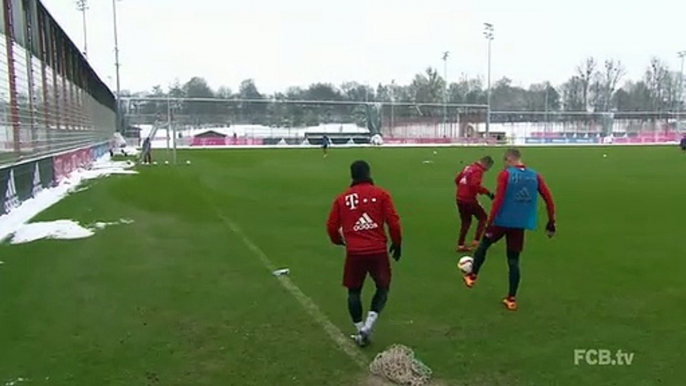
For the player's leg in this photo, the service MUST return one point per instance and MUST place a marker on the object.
(514, 243)
(465, 223)
(492, 236)
(354, 273)
(482, 217)
(380, 271)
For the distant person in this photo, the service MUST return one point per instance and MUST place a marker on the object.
(468, 188)
(513, 212)
(147, 151)
(357, 220)
(326, 142)
(683, 144)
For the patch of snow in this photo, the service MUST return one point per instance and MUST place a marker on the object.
(103, 225)
(11, 222)
(59, 229)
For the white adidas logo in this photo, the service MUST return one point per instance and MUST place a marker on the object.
(365, 223)
(37, 187)
(11, 198)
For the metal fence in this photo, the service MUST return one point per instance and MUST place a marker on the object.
(51, 100)
(207, 121)
(266, 118)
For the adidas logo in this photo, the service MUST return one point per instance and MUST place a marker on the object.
(365, 223)
(523, 195)
(11, 198)
(37, 187)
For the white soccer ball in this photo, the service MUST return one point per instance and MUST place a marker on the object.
(604, 155)
(435, 152)
(166, 162)
(465, 264)
(188, 162)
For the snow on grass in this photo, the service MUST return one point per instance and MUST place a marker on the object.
(59, 229)
(18, 217)
(103, 225)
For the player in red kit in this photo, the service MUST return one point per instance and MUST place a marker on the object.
(357, 220)
(468, 188)
(513, 212)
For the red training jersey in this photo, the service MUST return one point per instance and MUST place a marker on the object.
(361, 212)
(469, 183)
(543, 190)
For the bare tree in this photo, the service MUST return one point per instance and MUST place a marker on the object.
(573, 94)
(585, 72)
(658, 80)
(614, 71)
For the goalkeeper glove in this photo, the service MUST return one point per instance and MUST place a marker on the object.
(395, 251)
(550, 228)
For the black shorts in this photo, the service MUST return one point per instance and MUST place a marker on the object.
(325, 146)
(683, 148)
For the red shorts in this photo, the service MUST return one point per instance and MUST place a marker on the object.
(357, 266)
(469, 209)
(514, 237)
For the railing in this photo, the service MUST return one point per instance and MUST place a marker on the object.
(51, 100)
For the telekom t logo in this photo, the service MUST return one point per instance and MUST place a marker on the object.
(351, 200)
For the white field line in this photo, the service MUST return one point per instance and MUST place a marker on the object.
(344, 343)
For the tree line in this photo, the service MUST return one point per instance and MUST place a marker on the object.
(596, 86)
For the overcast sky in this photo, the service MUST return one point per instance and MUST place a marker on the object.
(282, 43)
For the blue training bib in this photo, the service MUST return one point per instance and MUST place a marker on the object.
(519, 209)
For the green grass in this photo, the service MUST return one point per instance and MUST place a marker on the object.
(177, 298)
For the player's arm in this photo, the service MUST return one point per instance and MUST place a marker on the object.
(333, 224)
(501, 188)
(549, 203)
(458, 178)
(477, 180)
(392, 219)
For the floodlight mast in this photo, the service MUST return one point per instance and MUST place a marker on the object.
(488, 34)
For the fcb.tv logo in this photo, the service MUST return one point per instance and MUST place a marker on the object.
(602, 357)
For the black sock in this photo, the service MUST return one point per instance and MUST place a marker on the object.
(379, 300)
(480, 254)
(355, 304)
(513, 264)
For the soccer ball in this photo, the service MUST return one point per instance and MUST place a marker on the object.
(465, 264)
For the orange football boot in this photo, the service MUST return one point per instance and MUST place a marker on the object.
(469, 280)
(462, 248)
(510, 303)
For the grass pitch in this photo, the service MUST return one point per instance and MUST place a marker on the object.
(179, 298)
